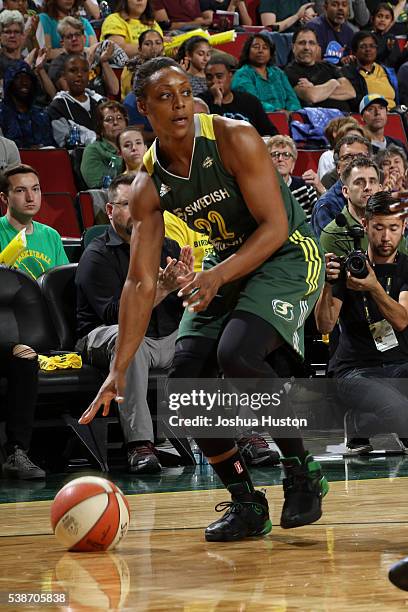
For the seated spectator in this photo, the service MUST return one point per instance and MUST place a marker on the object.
(373, 316)
(150, 45)
(103, 79)
(19, 365)
(20, 119)
(124, 26)
(21, 193)
(101, 160)
(30, 17)
(232, 6)
(258, 76)
(358, 11)
(334, 131)
(176, 14)
(392, 161)
(366, 75)
(332, 202)
(373, 109)
(334, 33)
(193, 55)
(54, 11)
(283, 152)
(350, 128)
(132, 147)
(283, 16)
(100, 278)
(223, 101)
(12, 39)
(75, 107)
(388, 51)
(316, 83)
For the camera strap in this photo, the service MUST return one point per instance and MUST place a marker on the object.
(382, 331)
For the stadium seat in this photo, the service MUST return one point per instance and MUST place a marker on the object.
(54, 167)
(393, 128)
(93, 232)
(87, 202)
(235, 47)
(307, 160)
(280, 121)
(58, 211)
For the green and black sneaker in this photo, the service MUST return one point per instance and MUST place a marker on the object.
(246, 516)
(304, 488)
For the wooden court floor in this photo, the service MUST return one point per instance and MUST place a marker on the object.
(164, 563)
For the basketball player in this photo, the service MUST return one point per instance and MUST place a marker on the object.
(253, 295)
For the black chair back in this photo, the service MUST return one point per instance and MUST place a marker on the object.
(24, 317)
(58, 289)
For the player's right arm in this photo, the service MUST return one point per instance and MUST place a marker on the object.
(136, 302)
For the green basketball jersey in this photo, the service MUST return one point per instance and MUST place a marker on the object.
(209, 200)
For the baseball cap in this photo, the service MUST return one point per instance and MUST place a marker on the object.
(370, 99)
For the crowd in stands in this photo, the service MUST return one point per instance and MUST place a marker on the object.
(333, 71)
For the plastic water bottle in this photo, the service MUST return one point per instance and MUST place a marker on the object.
(104, 8)
(110, 174)
(74, 137)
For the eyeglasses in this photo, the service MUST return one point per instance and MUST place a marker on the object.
(11, 32)
(351, 156)
(73, 35)
(284, 154)
(112, 119)
(365, 46)
(120, 204)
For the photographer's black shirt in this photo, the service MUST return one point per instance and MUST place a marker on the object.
(356, 347)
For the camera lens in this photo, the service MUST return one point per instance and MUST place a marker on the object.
(356, 265)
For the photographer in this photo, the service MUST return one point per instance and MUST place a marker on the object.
(373, 312)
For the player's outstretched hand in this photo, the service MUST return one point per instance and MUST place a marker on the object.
(200, 289)
(112, 388)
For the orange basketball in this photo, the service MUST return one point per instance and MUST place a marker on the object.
(90, 514)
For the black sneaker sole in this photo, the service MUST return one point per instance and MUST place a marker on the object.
(235, 537)
(306, 520)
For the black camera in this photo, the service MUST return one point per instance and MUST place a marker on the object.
(356, 261)
(356, 264)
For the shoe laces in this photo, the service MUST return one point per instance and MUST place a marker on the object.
(257, 441)
(143, 449)
(235, 506)
(21, 458)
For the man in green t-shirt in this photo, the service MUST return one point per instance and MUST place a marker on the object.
(20, 191)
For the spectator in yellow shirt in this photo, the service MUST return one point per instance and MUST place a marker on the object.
(124, 27)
